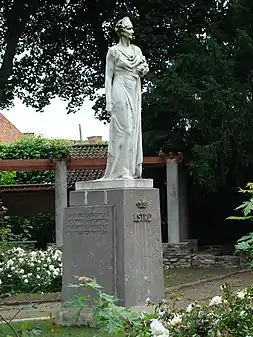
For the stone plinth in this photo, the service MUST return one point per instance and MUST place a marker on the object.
(105, 184)
(114, 235)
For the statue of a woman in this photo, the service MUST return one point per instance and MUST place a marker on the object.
(125, 64)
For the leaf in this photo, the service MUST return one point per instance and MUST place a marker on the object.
(83, 302)
(36, 332)
(240, 218)
(76, 316)
(246, 237)
(73, 301)
(242, 246)
(94, 285)
(108, 298)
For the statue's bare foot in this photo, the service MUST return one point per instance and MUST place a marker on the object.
(138, 172)
(127, 177)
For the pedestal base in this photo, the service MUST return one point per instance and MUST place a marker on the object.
(116, 239)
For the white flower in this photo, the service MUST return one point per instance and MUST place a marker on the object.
(147, 301)
(51, 267)
(38, 268)
(21, 271)
(242, 313)
(32, 264)
(177, 319)
(10, 263)
(38, 276)
(190, 307)
(216, 300)
(12, 268)
(20, 260)
(26, 281)
(0, 281)
(157, 329)
(241, 294)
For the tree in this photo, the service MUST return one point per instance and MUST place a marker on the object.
(202, 102)
(52, 48)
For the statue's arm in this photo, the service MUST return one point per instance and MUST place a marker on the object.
(109, 71)
(143, 67)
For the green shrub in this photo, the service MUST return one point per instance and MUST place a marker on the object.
(230, 314)
(33, 147)
(245, 244)
(40, 228)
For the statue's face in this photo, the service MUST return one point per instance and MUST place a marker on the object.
(128, 31)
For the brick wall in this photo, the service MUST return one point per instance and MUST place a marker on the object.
(8, 132)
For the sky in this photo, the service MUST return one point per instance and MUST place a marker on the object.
(54, 122)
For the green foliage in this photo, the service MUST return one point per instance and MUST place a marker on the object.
(230, 314)
(7, 178)
(110, 318)
(33, 147)
(39, 228)
(245, 244)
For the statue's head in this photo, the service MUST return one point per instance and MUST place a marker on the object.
(124, 27)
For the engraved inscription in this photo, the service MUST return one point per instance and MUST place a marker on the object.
(142, 217)
(87, 223)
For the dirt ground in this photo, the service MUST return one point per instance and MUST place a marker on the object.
(199, 292)
(203, 292)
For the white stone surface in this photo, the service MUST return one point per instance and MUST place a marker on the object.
(107, 184)
(125, 64)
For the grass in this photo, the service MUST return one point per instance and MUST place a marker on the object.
(49, 330)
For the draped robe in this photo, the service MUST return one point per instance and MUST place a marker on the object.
(125, 154)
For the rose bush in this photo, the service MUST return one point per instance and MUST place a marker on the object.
(35, 271)
(228, 315)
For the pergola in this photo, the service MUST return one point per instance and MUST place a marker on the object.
(61, 165)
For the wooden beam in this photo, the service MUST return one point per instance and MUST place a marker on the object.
(72, 163)
(26, 164)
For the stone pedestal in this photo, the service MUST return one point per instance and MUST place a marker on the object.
(112, 233)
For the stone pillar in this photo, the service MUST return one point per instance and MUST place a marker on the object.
(112, 232)
(61, 199)
(176, 202)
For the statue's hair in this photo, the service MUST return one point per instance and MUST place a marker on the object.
(121, 24)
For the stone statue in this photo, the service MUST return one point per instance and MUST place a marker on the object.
(125, 64)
